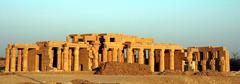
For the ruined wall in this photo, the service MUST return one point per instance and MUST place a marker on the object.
(178, 58)
(45, 59)
(83, 60)
(167, 60)
(31, 59)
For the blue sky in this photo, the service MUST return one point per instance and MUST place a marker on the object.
(185, 22)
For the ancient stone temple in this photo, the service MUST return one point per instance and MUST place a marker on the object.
(84, 52)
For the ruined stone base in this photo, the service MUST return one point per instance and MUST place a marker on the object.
(114, 68)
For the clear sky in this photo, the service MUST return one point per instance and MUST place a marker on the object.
(185, 22)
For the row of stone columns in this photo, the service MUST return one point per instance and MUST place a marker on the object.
(117, 56)
(162, 60)
(205, 59)
(152, 58)
(22, 62)
(64, 59)
(67, 60)
(114, 55)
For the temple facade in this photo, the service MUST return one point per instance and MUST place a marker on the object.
(84, 52)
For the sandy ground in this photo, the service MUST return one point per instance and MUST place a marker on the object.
(64, 78)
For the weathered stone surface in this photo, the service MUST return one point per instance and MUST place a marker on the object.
(81, 81)
(115, 68)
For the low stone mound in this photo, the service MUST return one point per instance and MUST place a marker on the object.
(213, 73)
(26, 83)
(80, 81)
(171, 72)
(189, 73)
(192, 73)
(115, 68)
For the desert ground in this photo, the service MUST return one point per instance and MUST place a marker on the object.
(66, 78)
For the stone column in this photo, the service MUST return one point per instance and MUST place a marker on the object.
(151, 59)
(115, 54)
(100, 58)
(197, 60)
(36, 67)
(70, 59)
(133, 55)
(96, 54)
(62, 60)
(25, 59)
(109, 56)
(227, 59)
(162, 62)
(212, 63)
(13, 60)
(119, 55)
(50, 54)
(7, 59)
(19, 65)
(65, 58)
(129, 55)
(140, 56)
(204, 65)
(222, 64)
(172, 59)
(76, 59)
(204, 61)
(105, 54)
(189, 58)
(215, 54)
(213, 60)
(59, 53)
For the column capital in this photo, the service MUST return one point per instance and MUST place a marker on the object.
(25, 48)
(129, 48)
(182, 50)
(151, 49)
(65, 47)
(162, 49)
(141, 49)
(50, 47)
(189, 51)
(77, 47)
(172, 49)
(205, 51)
